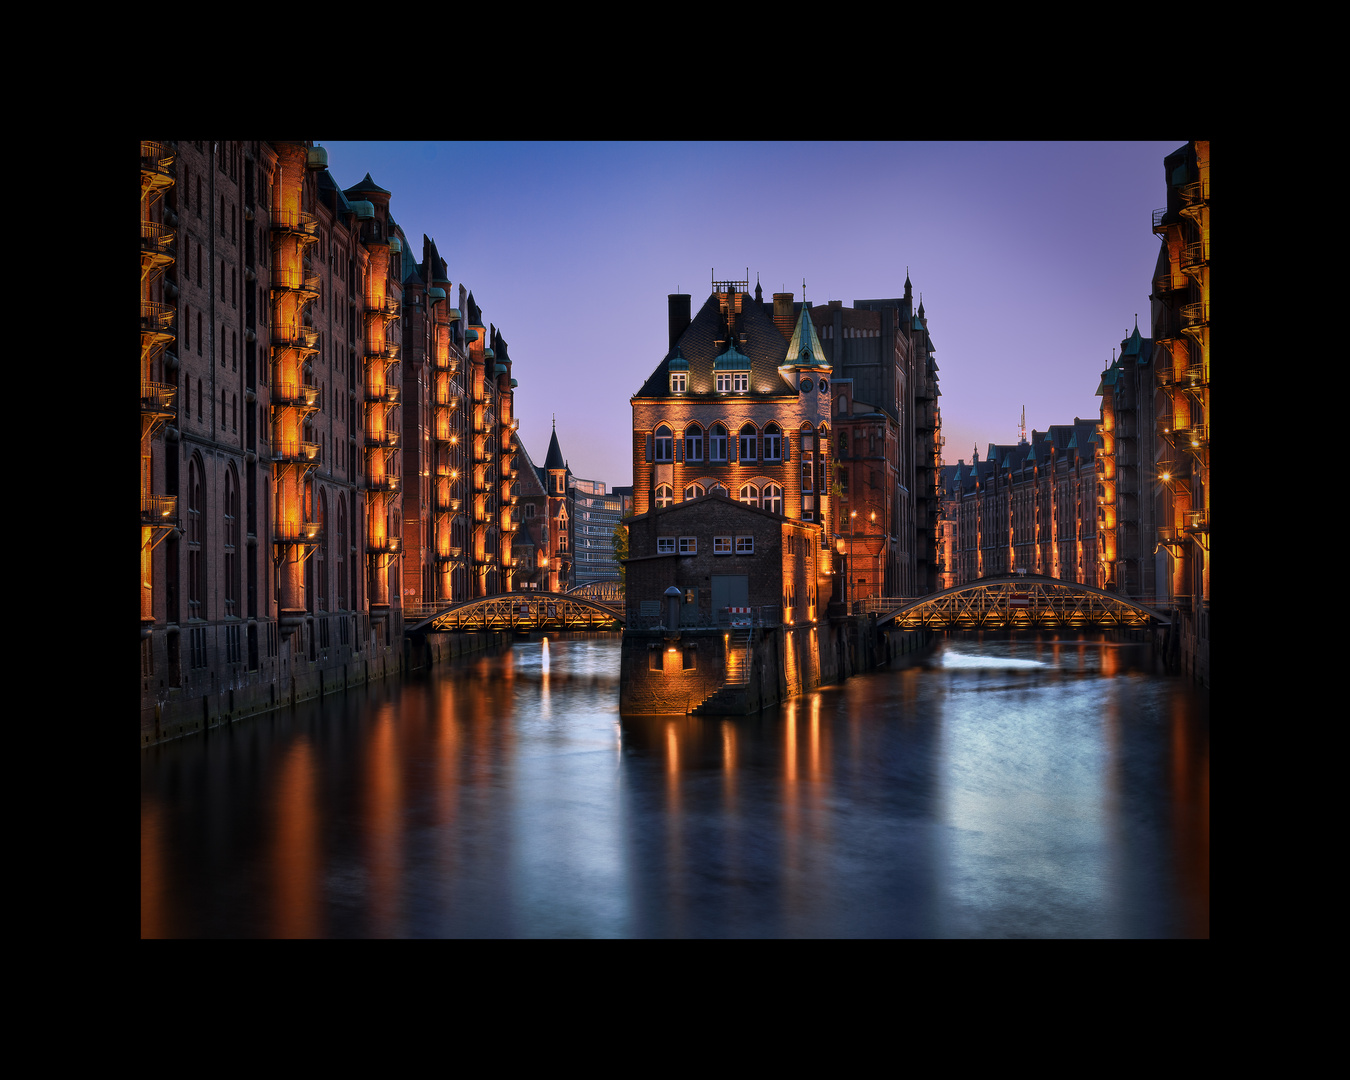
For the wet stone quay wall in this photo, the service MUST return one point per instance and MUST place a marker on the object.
(665, 673)
(224, 694)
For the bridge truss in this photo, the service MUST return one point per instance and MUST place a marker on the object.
(524, 611)
(1020, 602)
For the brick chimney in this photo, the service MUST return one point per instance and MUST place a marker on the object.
(782, 314)
(679, 315)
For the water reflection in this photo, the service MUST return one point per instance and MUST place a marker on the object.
(1022, 786)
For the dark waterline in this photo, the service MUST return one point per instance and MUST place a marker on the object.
(1012, 787)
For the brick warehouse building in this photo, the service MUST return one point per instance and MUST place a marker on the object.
(275, 439)
(748, 399)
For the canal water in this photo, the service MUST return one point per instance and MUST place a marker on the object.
(1005, 787)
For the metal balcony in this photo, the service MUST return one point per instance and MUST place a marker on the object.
(1195, 257)
(157, 319)
(296, 281)
(293, 396)
(157, 398)
(388, 482)
(304, 338)
(294, 223)
(1195, 318)
(156, 242)
(296, 532)
(159, 510)
(384, 545)
(290, 452)
(386, 394)
(385, 439)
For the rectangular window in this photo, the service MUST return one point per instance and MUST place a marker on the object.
(654, 658)
(724, 382)
(688, 545)
(745, 545)
(677, 382)
(690, 657)
(742, 382)
(665, 545)
(721, 545)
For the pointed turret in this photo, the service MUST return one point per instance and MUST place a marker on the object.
(804, 351)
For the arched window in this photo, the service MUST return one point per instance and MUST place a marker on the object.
(718, 489)
(321, 556)
(748, 439)
(693, 443)
(693, 491)
(664, 496)
(664, 444)
(773, 498)
(749, 495)
(773, 443)
(195, 531)
(341, 549)
(717, 443)
(231, 543)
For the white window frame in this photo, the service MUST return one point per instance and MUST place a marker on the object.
(724, 382)
(721, 545)
(665, 545)
(664, 500)
(664, 446)
(750, 499)
(693, 443)
(745, 545)
(677, 382)
(741, 381)
(717, 442)
(747, 446)
(688, 545)
(773, 445)
(693, 491)
(772, 494)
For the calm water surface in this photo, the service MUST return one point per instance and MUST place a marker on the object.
(1004, 788)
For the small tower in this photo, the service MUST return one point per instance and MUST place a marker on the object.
(559, 517)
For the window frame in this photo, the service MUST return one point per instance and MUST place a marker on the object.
(688, 545)
(747, 448)
(745, 545)
(722, 545)
(665, 545)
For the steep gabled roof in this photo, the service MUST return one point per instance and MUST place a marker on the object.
(705, 339)
(554, 459)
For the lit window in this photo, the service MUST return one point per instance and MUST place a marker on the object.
(664, 496)
(721, 545)
(749, 495)
(745, 545)
(724, 382)
(742, 381)
(665, 545)
(688, 545)
(677, 382)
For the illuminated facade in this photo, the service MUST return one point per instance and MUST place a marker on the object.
(1031, 506)
(1129, 499)
(741, 406)
(1180, 315)
(275, 441)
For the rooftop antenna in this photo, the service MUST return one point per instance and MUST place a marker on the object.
(1022, 427)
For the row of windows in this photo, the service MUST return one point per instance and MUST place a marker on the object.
(722, 545)
(774, 445)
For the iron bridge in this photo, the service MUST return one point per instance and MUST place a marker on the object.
(1019, 601)
(523, 611)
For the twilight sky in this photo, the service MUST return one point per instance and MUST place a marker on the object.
(1032, 259)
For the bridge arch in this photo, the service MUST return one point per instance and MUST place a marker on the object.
(532, 610)
(1019, 601)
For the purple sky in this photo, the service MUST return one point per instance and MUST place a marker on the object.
(1032, 259)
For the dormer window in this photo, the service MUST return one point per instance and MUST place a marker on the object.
(740, 381)
(677, 382)
(724, 382)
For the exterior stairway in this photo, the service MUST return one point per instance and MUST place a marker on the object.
(731, 698)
